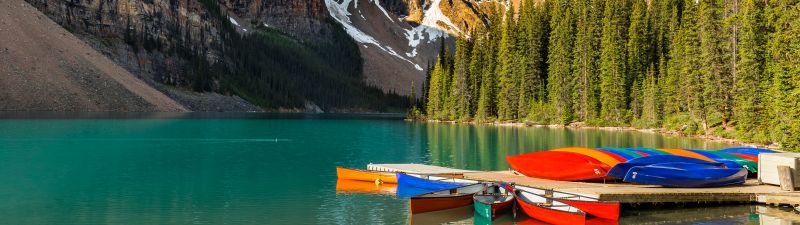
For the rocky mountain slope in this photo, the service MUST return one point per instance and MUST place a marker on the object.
(46, 68)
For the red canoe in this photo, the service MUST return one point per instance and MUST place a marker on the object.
(444, 199)
(592, 206)
(549, 210)
(556, 165)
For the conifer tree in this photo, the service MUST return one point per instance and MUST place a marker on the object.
(783, 65)
(639, 50)
(461, 78)
(749, 94)
(716, 76)
(506, 95)
(612, 62)
(475, 68)
(671, 82)
(691, 76)
(587, 41)
(560, 62)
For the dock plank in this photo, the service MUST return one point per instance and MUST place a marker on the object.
(416, 168)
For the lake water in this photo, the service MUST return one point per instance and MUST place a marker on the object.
(262, 168)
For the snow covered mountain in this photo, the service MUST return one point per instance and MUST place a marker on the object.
(398, 44)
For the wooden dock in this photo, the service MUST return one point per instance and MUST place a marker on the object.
(632, 194)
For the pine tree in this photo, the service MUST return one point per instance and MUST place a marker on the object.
(783, 65)
(435, 94)
(691, 77)
(650, 97)
(461, 80)
(506, 95)
(612, 62)
(475, 68)
(639, 50)
(716, 75)
(587, 41)
(749, 94)
(673, 101)
(560, 61)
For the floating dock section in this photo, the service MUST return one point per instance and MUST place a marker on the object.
(750, 192)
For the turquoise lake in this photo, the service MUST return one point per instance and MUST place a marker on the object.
(265, 168)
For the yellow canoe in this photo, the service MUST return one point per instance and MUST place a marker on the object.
(686, 153)
(364, 175)
(599, 155)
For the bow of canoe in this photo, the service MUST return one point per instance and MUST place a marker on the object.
(364, 175)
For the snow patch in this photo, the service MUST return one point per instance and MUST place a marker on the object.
(378, 4)
(417, 67)
(233, 21)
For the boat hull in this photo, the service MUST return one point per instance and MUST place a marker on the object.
(431, 204)
(596, 154)
(605, 210)
(491, 211)
(412, 181)
(686, 175)
(552, 216)
(364, 175)
(620, 170)
(558, 166)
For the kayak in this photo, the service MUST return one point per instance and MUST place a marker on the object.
(364, 175)
(686, 175)
(592, 206)
(627, 154)
(596, 154)
(493, 201)
(621, 169)
(747, 150)
(344, 186)
(555, 165)
(687, 153)
(548, 210)
(730, 160)
(431, 182)
(444, 199)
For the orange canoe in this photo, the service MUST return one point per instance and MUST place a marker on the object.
(596, 154)
(685, 153)
(364, 187)
(364, 175)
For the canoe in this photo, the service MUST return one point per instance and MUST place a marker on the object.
(431, 182)
(622, 169)
(627, 154)
(746, 156)
(747, 150)
(493, 201)
(364, 175)
(592, 206)
(730, 160)
(596, 154)
(555, 165)
(444, 199)
(344, 186)
(616, 156)
(686, 175)
(405, 191)
(687, 153)
(548, 209)
(648, 151)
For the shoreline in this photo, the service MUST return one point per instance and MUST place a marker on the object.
(579, 125)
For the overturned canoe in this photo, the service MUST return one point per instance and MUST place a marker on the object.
(444, 199)
(592, 206)
(601, 156)
(686, 153)
(621, 169)
(686, 175)
(431, 182)
(364, 175)
(627, 154)
(493, 201)
(730, 160)
(556, 165)
(548, 210)
(747, 151)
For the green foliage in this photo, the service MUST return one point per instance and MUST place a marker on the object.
(696, 67)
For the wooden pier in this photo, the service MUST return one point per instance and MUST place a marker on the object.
(632, 194)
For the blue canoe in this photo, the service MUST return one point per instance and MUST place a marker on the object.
(405, 191)
(730, 160)
(412, 181)
(649, 151)
(747, 150)
(728, 163)
(686, 175)
(624, 153)
(620, 170)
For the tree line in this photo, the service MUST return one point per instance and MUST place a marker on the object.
(725, 67)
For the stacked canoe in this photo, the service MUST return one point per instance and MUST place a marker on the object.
(436, 193)
(663, 166)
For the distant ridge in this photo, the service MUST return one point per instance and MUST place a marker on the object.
(44, 67)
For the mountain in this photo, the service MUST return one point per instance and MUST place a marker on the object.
(45, 68)
(278, 55)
